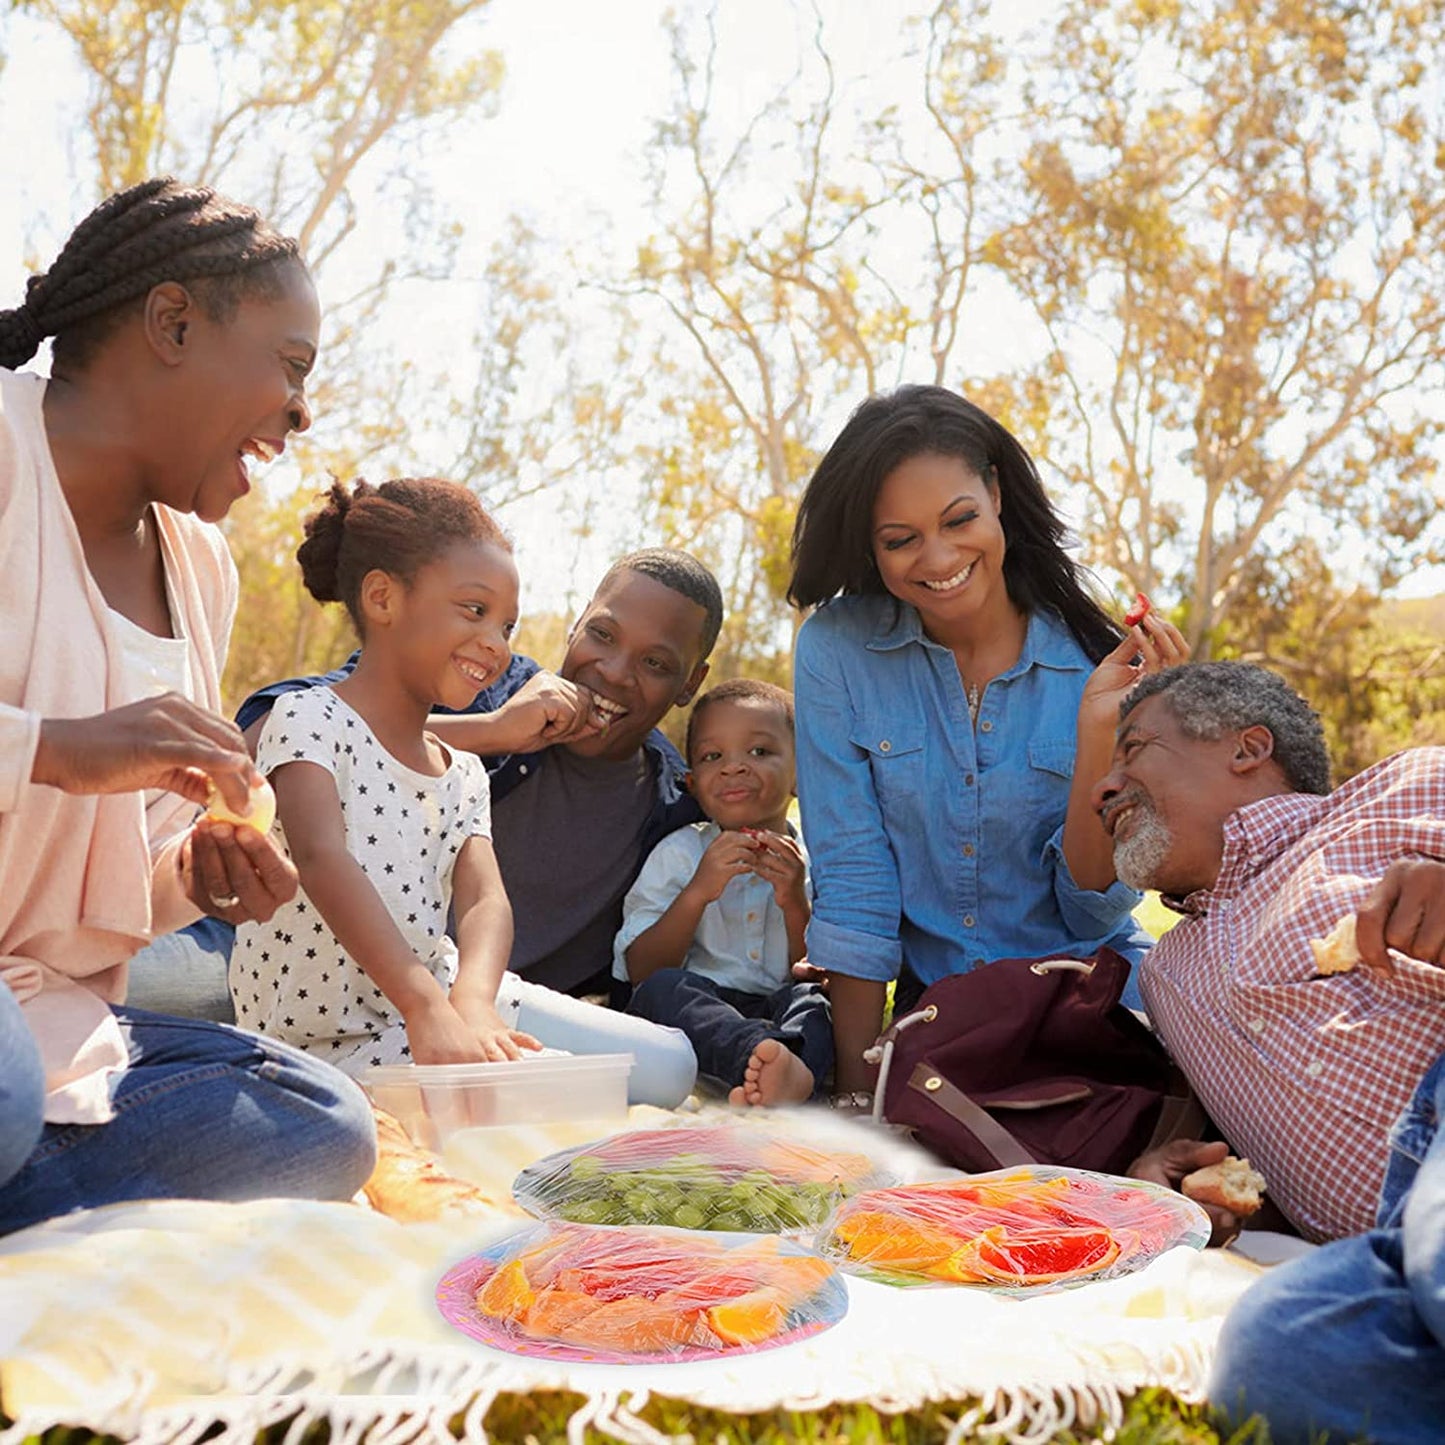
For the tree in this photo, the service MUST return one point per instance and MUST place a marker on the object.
(1230, 227)
(768, 265)
(1376, 675)
(313, 112)
(280, 631)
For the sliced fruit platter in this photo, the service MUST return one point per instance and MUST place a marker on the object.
(729, 1179)
(617, 1296)
(1016, 1229)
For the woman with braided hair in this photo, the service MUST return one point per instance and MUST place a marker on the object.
(184, 327)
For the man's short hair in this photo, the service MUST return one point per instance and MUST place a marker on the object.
(683, 573)
(738, 689)
(1209, 699)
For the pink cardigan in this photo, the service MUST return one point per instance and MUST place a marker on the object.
(82, 886)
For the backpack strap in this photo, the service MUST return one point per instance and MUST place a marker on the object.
(1006, 1150)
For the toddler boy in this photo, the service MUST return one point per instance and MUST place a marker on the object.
(715, 920)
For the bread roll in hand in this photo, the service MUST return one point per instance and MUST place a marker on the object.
(1231, 1184)
(1337, 952)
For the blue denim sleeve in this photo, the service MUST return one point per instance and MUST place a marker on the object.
(857, 906)
(1086, 913)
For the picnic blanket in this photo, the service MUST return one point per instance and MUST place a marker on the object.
(158, 1321)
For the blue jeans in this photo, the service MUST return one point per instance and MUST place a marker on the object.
(184, 973)
(203, 1112)
(22, 1088)
(1351, 1338)
(725, 1025)
(664, 1067)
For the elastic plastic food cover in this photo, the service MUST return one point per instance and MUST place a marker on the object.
(721, 1177)
(1016, 1229)
(622, 1296)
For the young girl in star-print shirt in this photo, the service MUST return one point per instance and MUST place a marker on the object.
(386, 826)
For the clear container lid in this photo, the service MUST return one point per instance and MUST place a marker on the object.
(547, 1067)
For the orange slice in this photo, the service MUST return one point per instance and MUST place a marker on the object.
(876, 1237)
(508, 1294)
(749, 1318)
(556, 1312)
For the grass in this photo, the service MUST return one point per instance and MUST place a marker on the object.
(1151, 1418)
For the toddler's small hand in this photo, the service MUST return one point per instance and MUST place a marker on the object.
(779, 860)
(728, 855)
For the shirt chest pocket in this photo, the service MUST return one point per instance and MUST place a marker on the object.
(1050, 772)
(896, 760)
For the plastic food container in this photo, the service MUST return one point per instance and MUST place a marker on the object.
(435, 1101)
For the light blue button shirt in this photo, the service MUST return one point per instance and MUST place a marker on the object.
(742, 937)
(933, 843)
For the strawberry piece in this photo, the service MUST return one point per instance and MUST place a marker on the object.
(1139, 611)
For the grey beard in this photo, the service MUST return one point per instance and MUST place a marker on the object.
(1138, 859)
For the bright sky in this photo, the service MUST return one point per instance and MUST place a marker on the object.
(585, 81)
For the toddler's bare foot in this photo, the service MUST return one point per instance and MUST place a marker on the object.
(774, 1075)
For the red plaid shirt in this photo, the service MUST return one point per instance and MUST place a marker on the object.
(1305, 1075)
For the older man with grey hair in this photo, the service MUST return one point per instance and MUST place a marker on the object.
(1219, 798)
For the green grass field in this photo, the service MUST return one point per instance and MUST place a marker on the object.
(1151, 1418)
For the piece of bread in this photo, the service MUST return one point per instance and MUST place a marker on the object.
(408, 1184)
(1337, 952)
(1231, 1184)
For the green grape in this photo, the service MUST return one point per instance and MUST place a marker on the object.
(642, 1205)
(587, 1211)
(689, 1216)
(586, 1166)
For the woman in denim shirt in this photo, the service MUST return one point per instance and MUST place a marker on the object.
(957, 693)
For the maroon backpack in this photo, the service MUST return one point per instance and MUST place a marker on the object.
(1032, 1061)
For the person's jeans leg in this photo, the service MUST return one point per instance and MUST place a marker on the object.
(204, 1111)
(804, 1018)
(1423, 1222)
(183, 974)
(713, 1018)
(664, 1067)
(22, 1088)
(1347, 1339)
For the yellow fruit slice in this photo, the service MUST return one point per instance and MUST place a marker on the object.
(748, 1319)
(259, 815)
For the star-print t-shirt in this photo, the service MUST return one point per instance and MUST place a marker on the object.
(290, 977)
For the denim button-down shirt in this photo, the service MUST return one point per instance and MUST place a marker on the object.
(933, 843)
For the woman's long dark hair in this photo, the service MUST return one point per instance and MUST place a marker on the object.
(833, 536)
